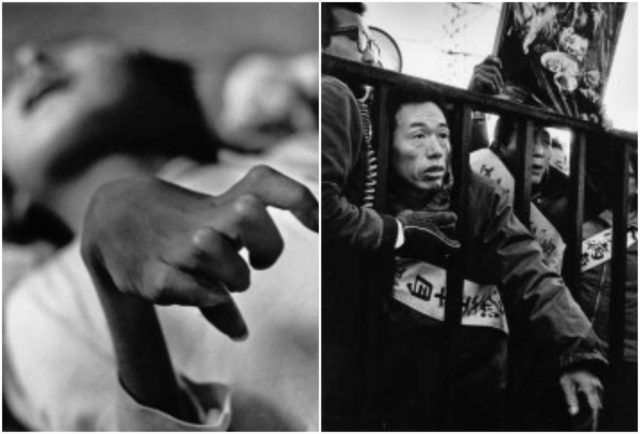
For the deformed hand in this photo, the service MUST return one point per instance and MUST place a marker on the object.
(487, 76)
(169, 245)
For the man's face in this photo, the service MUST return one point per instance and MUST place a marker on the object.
(541, 154)
(421, 146)
(60, 99)
(342, 45)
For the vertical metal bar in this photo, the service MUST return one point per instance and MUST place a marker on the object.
(461, 175)
(377, 287)
(462, 126)
(381, 140)
(522, 196)
(618, 276)
(576, 205)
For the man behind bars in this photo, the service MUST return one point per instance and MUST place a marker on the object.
(343, 149)
(508, 290)
(352, 228)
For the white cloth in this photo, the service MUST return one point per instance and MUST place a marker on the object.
(59, 368)
(423, 287)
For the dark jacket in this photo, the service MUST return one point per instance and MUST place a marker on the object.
(595, 289)
(343, 174)
(502, 251)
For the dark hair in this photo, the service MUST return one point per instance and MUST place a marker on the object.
(504, 130)
(328, 20)
(555, 143)
(172, 124)
(401, 95)
(190, 134)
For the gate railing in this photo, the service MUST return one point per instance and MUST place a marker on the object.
(464, 103)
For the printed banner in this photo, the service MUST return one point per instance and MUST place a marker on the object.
(559, 55)
(489, 165)
(597, 249)
(423, 287)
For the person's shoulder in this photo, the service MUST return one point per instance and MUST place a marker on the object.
(486, 194)
(481, 185)
(334, 88)
(331, 82)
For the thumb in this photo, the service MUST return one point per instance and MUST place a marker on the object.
(444, 218)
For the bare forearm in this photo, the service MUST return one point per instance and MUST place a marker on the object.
(144, 364)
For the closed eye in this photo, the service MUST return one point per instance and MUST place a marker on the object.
(44, 89)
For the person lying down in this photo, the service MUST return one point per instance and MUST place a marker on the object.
(187, 298)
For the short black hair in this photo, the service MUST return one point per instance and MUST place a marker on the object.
(401, 95)
(328, 20)
(186, 131)
(555, 143)
(504, 130)
(190, 134)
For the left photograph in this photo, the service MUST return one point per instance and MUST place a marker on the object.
(160, 217)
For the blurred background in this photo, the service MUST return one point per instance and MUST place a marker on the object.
(210, 37)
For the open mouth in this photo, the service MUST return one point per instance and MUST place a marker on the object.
(537, 169)
(434, 173)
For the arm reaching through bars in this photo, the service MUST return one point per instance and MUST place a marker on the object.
(149, 242)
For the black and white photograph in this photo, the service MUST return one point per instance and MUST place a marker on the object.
(319, 216)
(479, 226)
(160, 217)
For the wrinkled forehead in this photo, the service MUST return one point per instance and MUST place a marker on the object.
(427, 113)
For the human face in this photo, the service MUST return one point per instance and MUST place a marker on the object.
(540, 159)
(60, 97)
(351, 48)
(421, 146)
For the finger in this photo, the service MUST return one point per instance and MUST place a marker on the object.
(167, 285)
(593, 398)
(280, 191)
(570, 396)
(210, 256)
(492, 73)
(484, 81)
(488, 83)
(493, 60)
(445, 218)
(246, 220)
(227, 318)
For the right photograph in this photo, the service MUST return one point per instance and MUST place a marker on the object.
(479, 217)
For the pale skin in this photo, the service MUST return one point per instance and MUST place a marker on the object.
(420, 154)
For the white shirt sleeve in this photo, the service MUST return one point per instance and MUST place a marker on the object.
(59, 371)
(211, 400)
